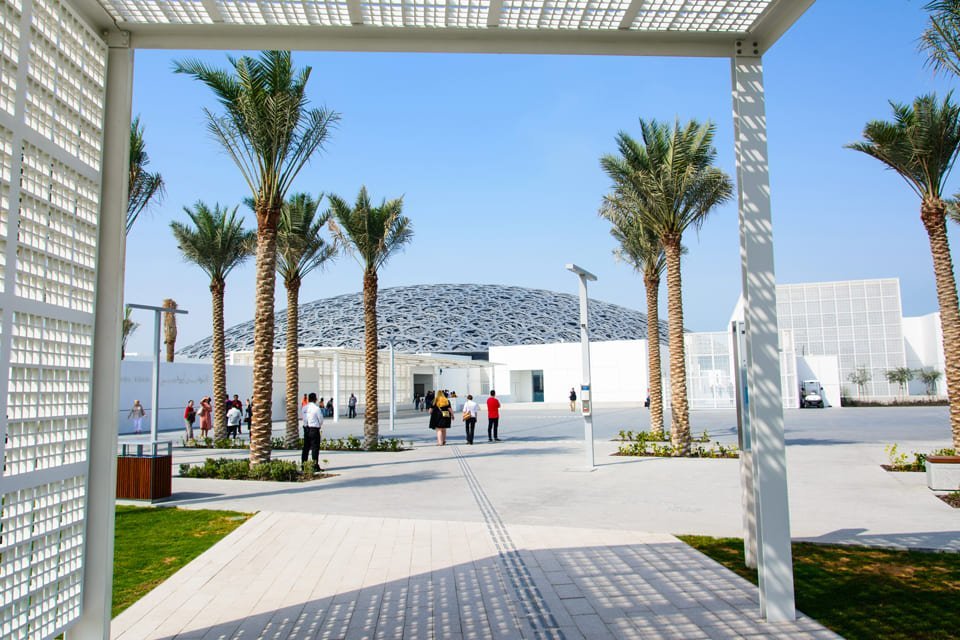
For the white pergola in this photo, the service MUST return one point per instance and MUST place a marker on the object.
(66, 72)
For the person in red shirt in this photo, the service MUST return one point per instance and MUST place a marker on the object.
(493, 409)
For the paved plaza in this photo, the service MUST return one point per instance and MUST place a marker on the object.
(516, 540)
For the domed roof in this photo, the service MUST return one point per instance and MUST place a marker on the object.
(446, 318)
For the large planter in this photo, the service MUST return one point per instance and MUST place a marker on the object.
(943, 473)
(145, 472)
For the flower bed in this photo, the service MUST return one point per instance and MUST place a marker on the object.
(643, 444)
(350, 443)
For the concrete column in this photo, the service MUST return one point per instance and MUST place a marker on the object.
(774, 554)
(94, 621)
(336, 386)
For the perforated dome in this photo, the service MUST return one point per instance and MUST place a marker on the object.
(447, 318)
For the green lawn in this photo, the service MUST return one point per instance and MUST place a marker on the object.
(864, 593)
(151, 544)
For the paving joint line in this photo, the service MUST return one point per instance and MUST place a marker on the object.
(535, 608)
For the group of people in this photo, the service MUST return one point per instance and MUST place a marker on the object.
(441, 416)
(327, 408)
(237, 413)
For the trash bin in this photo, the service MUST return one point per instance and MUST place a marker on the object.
(145, 471)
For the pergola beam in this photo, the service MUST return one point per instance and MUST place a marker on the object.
(430, 40)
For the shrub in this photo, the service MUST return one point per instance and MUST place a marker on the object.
(226, 469)
(641, 447)
(350, 443)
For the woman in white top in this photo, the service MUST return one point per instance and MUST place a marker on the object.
(470, 409)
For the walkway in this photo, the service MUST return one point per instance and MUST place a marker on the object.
(295, 575)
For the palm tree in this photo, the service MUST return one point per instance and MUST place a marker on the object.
(673, 184)
(144, 187)
(170, 328)
(921, 144)
(371, 234)
(129, 327)
(216, 242)
(941, 39)
(300, 250)
(641, 248)
(269, 132)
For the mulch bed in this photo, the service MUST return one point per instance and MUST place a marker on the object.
(952, 499)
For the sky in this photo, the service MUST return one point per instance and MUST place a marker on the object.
(497, 160)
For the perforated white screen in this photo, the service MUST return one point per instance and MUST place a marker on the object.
(52, 75)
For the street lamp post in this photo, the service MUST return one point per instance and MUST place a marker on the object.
(155, 391)
(393, 387)
(585, 391)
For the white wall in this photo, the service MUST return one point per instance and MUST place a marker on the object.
(618, 370)
(826, 369)
(923, 342)
(179, 382)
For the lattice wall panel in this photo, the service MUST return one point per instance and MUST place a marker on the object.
(52, 77)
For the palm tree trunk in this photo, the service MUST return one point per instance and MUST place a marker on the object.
(655, 381)
(261, 427)
(933, 215)
(679, 411)
(371, 414)
(293, 363)
(217, 288)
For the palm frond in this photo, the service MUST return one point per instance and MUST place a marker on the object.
(145, 188)
(372, 234)
(215, 241)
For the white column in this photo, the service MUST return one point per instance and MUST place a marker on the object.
(393, 388)
(774, 555)
(155, 386)
(94, 621)
(336, 386)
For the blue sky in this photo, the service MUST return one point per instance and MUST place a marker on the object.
(497, 159)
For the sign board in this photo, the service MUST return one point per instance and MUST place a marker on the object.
(585, 399)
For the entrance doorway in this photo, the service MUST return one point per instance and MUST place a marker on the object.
(526, 386)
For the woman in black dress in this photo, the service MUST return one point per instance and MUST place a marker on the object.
(441, 415)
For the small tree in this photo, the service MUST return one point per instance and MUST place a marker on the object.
(860, 377)
(929, 378)
(900, 376)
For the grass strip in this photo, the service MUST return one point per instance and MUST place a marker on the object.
(863, 592)
(152, 543)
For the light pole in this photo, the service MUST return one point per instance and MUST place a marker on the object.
(155, 392)
(393, 387)
(585, 399)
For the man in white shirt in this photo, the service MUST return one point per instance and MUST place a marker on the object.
(470, 409)
(234, 418)
(312, 422)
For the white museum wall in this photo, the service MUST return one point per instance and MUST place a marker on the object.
(923, 341)
(618, 370)
(179, 382)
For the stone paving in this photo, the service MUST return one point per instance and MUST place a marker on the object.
(290, 576)
(514, 540)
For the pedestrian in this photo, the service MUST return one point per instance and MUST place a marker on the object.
(470, 410)
(206, 417)
(352, 406)
(441, 415)
(136, 413)
(493, 416)
(239, 405)
(189, 417)
(428, 400)
(234, 418)
(303, 403)
(312, 422)
(249, 414)
(329, 412)
(573, 400)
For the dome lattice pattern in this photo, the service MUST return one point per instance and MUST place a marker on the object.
(447, 318)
